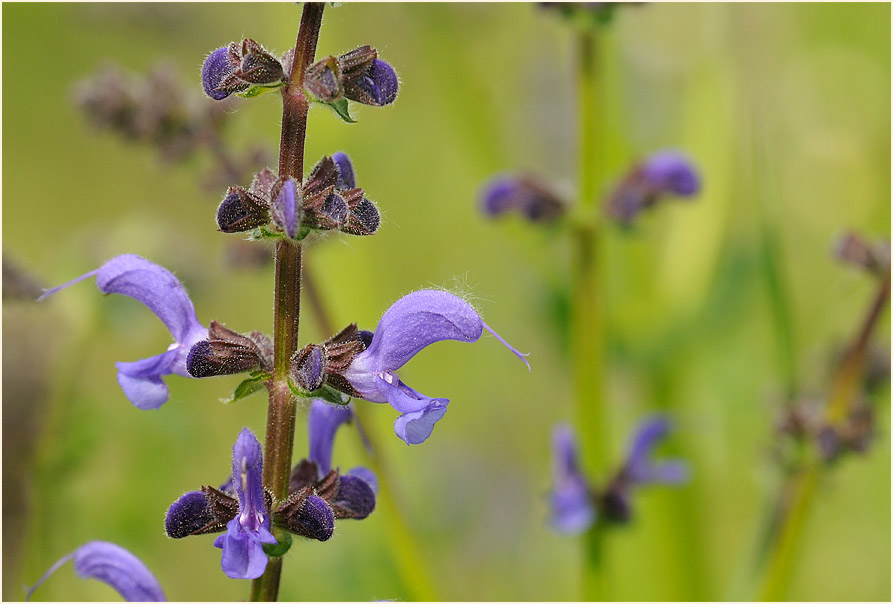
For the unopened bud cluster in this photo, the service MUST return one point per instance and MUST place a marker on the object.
(358, 75)
(328, 200)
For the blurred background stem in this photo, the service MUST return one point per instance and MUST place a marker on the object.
(794, 505)
(587, 328)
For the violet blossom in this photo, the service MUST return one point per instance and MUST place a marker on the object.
(242, 544)
(571, 504)
(412, 323)
(113, 565)
(526, 195)
(164, 295)
(661, 174)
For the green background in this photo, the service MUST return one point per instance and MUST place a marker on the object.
(484, 89)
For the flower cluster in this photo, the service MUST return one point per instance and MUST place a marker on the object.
(358, 75)
(329, 199)
(317, 495)
(575, 503)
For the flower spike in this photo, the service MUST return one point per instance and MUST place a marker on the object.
(164, 295)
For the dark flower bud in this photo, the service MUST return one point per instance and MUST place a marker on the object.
(257, 65)
(241, 210)
(308, 367)
(345, 171)
(364, 219)
(525, 195)
(376, 86)
(225, 352)
(217, 74)
(323, 80)
(354, 498)
(307, 515)
(188, 515)
(286, 208)
(357, 62)
(855, 250)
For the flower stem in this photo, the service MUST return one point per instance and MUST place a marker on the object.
(587, 328)
(794, 504)
(282, 408)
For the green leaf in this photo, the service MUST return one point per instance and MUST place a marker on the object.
(248, 387)
(257, 91)
(283, 542)
(261, 233)
(326, 393)
(340, 107)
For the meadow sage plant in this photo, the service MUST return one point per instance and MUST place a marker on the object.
(265, 500)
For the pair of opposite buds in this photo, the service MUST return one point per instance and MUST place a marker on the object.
(247, 69)
(329, 199)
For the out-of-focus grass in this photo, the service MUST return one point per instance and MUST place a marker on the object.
(485, 88)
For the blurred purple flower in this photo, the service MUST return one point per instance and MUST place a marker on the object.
(157, 288)
(572, 507)
(242, 544)
(409, 325)
(525, 195)
(663, 173)
(113, 565)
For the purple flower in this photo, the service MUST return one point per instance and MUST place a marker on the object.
(346, 178)
(157, 288)
(640, 468)
(242, 544)
(287, 207)
(572, 507)
(525, 195)
(409, 325)
(113, 565)
(663, 173)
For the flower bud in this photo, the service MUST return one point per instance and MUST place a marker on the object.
(308, 367)
(354, 498)
(344, 166)
(323, 80)
(364, 219)
(188, 515)
(307, 515)
(257, 65)
(225, 352)
(217, 72)
(525, 195)
(242, 210)
(287, 206)
(376, 86)
(663, 173)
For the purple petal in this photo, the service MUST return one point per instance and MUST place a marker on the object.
(187, 514)
(115, 566)
(141, 380)
(346, 178)
(367, 475)
(671, 172)
(414, 428)
(571, 507)
(248, 469)
(287, 209)
(414, 322)
(243, 553)
(401, 397)
(640, 468)
(322, 423)
(214, 71)
(669, 472)
(499, 196)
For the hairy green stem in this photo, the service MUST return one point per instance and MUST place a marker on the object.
(797, 495)
(282, 408)
(587, 326)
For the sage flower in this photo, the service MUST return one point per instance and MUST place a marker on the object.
(659, 175)
(114, 566)
(164, 295)
(412, 323)
(242, 544)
